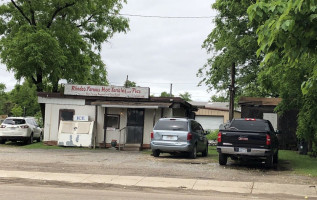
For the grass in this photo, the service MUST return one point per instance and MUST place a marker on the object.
(212, 153)
(40, 145)
(301, 164)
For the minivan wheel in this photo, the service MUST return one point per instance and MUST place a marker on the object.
(223, 158)
(156, 153)
(205, 152)
(193, 153)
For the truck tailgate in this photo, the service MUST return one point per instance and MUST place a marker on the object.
(243, 139)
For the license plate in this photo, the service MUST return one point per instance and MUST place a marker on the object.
(169, 137)
(243, 150)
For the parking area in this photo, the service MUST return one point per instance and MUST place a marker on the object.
(113, 162)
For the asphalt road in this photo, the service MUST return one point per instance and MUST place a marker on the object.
(52, 193)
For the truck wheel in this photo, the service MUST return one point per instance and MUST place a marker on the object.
(223, 158)
(193, 153)
(205, 152)
(269, 161)
(2, 141)
(156, 153)
(275, 158)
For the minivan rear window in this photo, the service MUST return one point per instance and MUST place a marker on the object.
(14, 121)
(172, 125)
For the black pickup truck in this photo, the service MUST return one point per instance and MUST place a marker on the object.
(248, 139)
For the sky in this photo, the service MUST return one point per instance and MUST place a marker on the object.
(157, 52)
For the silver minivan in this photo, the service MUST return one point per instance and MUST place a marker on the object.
(173, 135)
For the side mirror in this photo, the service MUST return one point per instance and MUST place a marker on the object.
(206, 132)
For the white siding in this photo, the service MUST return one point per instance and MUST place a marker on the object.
(210, 122)
(272, 117)
(52, 118)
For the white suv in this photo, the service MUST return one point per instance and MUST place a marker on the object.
(20, 129)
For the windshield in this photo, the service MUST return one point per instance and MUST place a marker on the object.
(172, 125)
(249, 125)
(14, 121)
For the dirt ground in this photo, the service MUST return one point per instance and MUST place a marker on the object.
(113, 162)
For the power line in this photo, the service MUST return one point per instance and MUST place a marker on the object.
(167, 17)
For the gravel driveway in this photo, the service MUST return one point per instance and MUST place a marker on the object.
(113, 162)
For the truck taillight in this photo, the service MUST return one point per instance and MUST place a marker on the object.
(268, 139)
(219, 137)
(152, 135)
(2, 126)
(189, 136)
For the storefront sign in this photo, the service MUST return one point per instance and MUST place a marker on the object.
(107, 91)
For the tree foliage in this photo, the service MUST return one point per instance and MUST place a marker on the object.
(287, 36)
(186, 96)
(232, 41)
(165, 94)
(3, 98)
(220, 98)
(45, 41)
(129, 83)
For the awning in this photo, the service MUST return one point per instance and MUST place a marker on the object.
(149, 105)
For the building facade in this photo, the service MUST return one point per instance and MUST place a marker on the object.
(124, 115)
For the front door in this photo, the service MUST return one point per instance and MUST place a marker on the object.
(135, 126)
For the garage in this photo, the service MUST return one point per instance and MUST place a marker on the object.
(210, 122)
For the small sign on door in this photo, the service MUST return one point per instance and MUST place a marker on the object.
(82, 118)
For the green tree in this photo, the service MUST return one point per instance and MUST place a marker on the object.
(128, 83)
(45, 41)
(186, 96)
(220, 98)
(3, 99)
(287, 36)
(165, 94)
(232, 41)
(25, 96)
(17, 111)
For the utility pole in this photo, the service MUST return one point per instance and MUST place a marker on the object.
(171, 87)
(232, 91)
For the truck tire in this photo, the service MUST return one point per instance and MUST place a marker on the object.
(156, 153)
(275, 158)
(269, 161)
(205, 152)
(223, 158)
(2, 141)
(193, 153)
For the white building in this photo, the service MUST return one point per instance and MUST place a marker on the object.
(106, 113)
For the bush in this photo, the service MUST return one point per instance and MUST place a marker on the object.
(213, 134)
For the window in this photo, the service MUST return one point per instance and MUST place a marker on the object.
(171, 125)
(113, 121)
(66, 115)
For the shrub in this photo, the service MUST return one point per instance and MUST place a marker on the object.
(213, 134)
